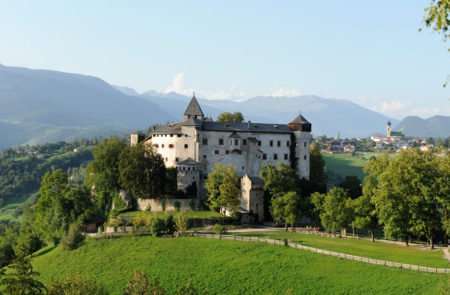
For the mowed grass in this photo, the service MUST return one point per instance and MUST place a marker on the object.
(378, 250)
(163, 214)
(345, 164)
(229, 267)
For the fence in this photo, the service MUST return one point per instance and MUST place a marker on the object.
(321, 251)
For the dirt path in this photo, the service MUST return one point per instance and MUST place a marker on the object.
(446, 253)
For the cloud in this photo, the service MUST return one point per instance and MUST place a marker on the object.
(177, 84)
(393, 106)
(281, 92)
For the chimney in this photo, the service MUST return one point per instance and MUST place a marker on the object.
(249, 124)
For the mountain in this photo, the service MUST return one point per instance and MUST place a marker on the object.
(437, 126)
(38, 106)
(328, 116)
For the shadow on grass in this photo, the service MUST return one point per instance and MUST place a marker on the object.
(44, 250)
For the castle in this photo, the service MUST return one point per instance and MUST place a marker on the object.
(194, 145)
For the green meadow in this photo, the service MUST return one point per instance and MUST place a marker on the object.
(228, 267)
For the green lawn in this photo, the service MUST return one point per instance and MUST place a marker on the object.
(229, 267)
(378, 250)
(162, 214)
(348, 165)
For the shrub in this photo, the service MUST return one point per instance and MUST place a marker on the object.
(190, 289)
(181, 223)
(219, 229)
(149, 208)
(157, 227)
(140, 284)
(192, 204)
(75, 285)
(177, 205)
(170, 225)
(73, 237)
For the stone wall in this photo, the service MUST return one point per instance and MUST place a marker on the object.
(157, 204)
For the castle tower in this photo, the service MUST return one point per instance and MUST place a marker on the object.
(194, 110)
(302, 139)
(388, 129)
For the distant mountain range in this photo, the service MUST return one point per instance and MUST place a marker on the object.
(38, 106)
(437, 126)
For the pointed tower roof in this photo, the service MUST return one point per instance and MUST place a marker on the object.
(300, 124)
(300, 120)
(194, 110)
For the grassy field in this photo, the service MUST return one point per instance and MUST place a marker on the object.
(162, 214)
(229, 267)
(378, 250)
(348, 165)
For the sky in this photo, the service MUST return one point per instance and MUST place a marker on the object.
(369, 52)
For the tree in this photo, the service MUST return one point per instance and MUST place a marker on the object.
(157, 227)
(223, 188)
(286, 208)
(140, 284)
(353, 186)
(102, 173)
(236, 117)
(142, 171)
(442, 189)
(59, 205)
(278, 179)
(334, 210)
(437, 17)
(73, 237)
(405, 201)
(20, 279)
(316, 164)
(364, 214)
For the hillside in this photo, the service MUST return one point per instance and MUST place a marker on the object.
(38, 106)
(437, 126)
(228, 267)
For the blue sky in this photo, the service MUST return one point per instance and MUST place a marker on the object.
(369, 52)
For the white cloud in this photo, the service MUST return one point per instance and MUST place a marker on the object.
(177, 84)
(284, 92)
(393, 106)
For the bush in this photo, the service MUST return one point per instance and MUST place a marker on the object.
(149, 208)
(140, 284)
(75, 285)
(181, 223)
(177, 205)
(157, 227)
(73, 237)
(219, 229)
(164, 204)
(142, 220)
(170, 225)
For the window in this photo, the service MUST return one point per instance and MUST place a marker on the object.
(286, 156)
(220, 141)
(227, 152)
(156, 145)
(279, 143)
(189, 168)
(204, 141)
(179, 135)
(304, 157)
(177, 159)
(288, 143)
(275, 156)
(170, 146)
(244, 142)
(304, 144)
(162, 145)
(236, 141)
(204, 156)
(171, 135)
(271, 143)
(259, 142)
(186, 146)
(216, 152)
(264, 157)
(167, 159)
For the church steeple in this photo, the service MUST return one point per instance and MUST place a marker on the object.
(194, 110)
